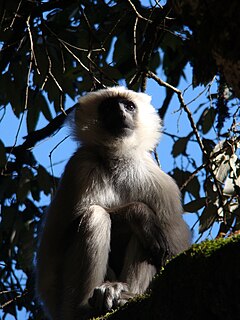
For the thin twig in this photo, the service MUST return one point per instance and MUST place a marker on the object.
(16, 14)
(51, 74)
(34, 137)
(14, 299)
(50, 158)
(113, 28)
(158, 4)
(31, 44)
(81, 49)
(183, 106)
(135, 41)
(137, 13)
(65, 45)
(194, 128)
(156, 157)
(4, 113)
(207, 88)
(79, 61)
(101, 70)
(186, 182)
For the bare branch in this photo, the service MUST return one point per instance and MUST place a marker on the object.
(137, 13)
(194, 128)
(51, 74)
(207, 88)
(193, 175)
(31, 44)
(16, 14)
(34, 137)
(183, 106)
(135, 41)
(80, 62)
(14, 299)
(38, 135)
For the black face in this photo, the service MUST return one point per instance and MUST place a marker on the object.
(117, 116)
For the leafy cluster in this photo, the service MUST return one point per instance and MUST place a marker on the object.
(54, 51)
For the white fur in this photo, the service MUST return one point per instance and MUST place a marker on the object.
(87, 130)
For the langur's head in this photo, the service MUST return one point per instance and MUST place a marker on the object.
(118, 118)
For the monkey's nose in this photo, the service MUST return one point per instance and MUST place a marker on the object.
(121, 111)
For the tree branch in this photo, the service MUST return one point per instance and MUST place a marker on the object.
(33, 137)
(194, 128)
(162, 83)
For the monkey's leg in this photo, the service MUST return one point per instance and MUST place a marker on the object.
(137, 272)
(85, 261)
(148, 247)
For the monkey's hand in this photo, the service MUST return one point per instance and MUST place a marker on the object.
(156, 247)
(110, 295)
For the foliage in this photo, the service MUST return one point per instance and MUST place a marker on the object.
(220, 49)
(53, 50)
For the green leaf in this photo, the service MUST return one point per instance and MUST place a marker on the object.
(3, 158)
(180, 146)
(195, 205)
(236, 214)
(23, 191)
(210, 189)
(42, 104)
(33, 112)
(45, 180)
(14, 96)
(208, 217)
(206, 120)
(111, 72)
(192, 187)
(35, 190)
(8, 216)
(26, 246)
(123, 54)
(24, 184)
(5, 183)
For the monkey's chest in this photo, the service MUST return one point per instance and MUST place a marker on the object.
(119, 186)
(129, 184)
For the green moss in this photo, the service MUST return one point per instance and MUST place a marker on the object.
(201, 283)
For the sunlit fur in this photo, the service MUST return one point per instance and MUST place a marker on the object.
(89, 132)
(106, 173)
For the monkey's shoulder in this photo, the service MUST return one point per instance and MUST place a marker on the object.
(89, 170)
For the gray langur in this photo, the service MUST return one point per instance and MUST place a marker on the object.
(116, 216)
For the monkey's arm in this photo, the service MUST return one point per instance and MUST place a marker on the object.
(75, 243)
(145, 225)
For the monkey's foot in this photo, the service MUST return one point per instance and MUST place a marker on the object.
(110, 295)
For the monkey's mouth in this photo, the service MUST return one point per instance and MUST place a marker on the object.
(122, 130)
(118, 126)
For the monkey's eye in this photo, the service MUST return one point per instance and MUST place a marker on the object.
(129, 105)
